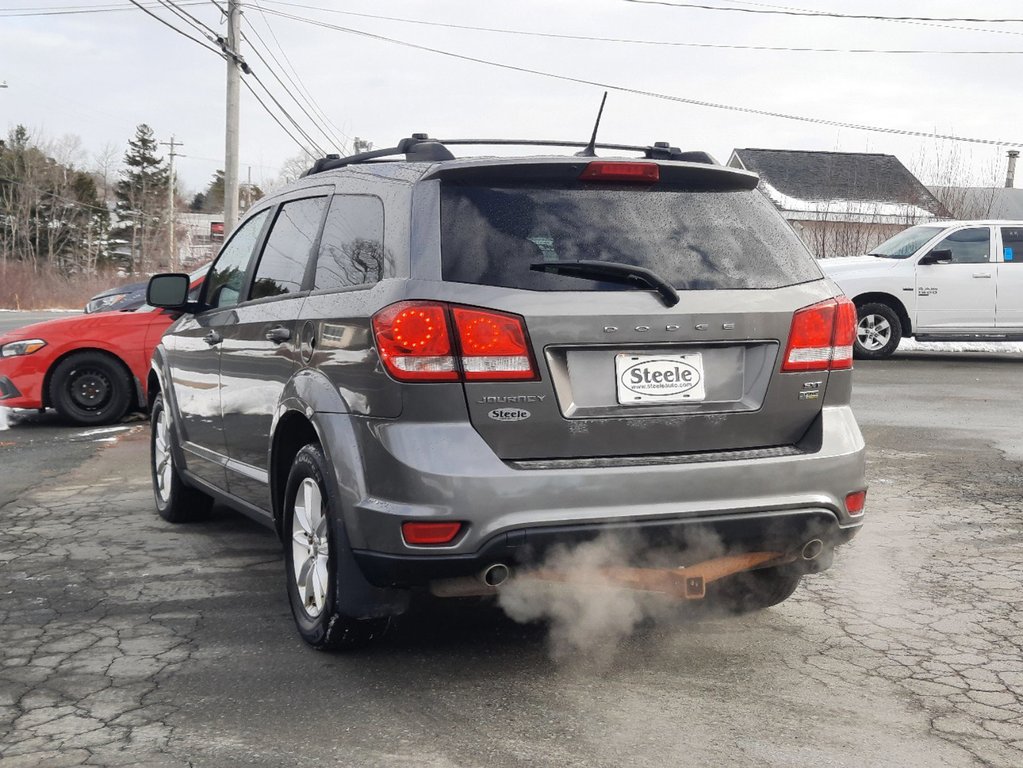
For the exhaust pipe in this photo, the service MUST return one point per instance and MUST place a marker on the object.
(812, 549)
(484, 583)
(495, 575)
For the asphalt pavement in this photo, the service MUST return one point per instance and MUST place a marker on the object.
(11, 320)
(127, 641)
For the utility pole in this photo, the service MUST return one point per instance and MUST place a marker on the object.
(234, 62)
(170, 204)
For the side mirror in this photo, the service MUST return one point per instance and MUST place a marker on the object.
(937, 256)
(168, 291)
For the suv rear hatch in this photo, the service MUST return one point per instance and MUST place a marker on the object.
(623, 370)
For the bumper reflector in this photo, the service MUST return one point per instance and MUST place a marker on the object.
(427, 534)
(854, 503)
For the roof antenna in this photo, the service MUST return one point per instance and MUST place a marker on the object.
(589, 151)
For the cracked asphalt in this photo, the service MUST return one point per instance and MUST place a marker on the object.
(127, 641)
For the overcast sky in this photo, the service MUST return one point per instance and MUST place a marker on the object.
(98, 75)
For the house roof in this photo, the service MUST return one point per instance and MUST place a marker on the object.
(990, 202)
(853, 182)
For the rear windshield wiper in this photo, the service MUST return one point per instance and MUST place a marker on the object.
(612, 271)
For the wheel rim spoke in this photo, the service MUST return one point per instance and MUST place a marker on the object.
(163, 461)
(309, 547)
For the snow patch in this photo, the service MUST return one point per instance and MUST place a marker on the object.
(871, 209)
(911, 345)
(3, 418)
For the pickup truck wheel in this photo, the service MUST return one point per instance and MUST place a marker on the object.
(313, 551)
(754, 590)
(878, 332)
(175, 501)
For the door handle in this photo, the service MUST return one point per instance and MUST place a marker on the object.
(986, 275)
(212, 338)
(278, 335)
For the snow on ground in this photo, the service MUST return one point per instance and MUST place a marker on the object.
(3, 418)
(911, 345)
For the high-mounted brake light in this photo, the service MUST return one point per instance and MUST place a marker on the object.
(416, 343)
(601, 170)
(427, 534)
(821, 337)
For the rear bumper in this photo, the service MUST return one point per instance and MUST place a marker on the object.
(692, 539)
(391, 471)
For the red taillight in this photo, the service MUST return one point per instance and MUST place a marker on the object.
(617, 171)
(426, 534)
(493, 345)
(821, 337)
(855, 502)
(845, 334)
(415, 343)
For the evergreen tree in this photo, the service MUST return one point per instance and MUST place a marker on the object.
(142, 203)
(213, 201)
(50, 212)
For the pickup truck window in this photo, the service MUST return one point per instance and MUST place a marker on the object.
(906, 243)
(1012, 245)
(968, 246)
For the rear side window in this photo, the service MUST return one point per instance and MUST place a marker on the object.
(352, 245)
(1012, 245)
(288, 248)
(696, 240)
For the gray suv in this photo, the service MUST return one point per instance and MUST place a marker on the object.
(424, 371)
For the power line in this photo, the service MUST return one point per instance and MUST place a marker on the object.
(276, 119)
(822, 14)
(934, 25)
(651, 94)
(634, 41)
(180, 32)
(312, 142)
(200, 26)
(226, 53)
(74, 10)
(298, 80)
(270, 69)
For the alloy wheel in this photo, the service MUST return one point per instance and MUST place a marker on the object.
(873, 332)
(310, 547)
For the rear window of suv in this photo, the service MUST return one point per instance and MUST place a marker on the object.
(696, 240)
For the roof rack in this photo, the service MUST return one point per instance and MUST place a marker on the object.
(421, 148)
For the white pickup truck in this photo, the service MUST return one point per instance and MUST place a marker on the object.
(947, 281)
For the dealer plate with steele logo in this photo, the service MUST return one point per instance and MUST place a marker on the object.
(644, 379)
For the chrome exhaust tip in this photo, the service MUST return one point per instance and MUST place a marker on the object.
(812, 549)
(495, 575)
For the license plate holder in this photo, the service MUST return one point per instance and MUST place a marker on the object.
(664, 378)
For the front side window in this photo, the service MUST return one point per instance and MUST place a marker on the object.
(352, 246)
(1012, 245)
(968, 246)
(226, 276)
(288, 248)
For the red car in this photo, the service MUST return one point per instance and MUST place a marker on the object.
(91, 368)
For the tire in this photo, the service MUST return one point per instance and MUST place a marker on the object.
(878, 332)
(176, 502)
(90, 388)
(754, 590)
(316, 554)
